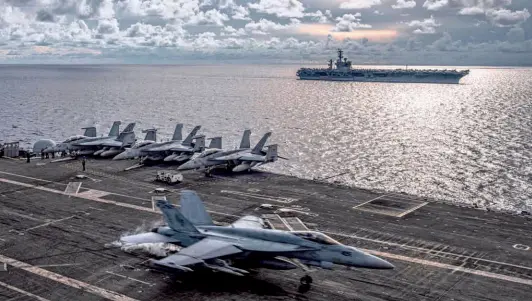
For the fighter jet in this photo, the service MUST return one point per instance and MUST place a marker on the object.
(237, 160)
(90, 132)
(115, 147)
(143, 150)
(177, 150)
(244, 244)
(91, 145)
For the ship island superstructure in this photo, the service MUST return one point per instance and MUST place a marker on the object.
(342, 70)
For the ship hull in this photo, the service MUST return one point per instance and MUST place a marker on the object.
(399, 79)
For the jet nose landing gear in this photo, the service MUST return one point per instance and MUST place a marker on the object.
(305, 284)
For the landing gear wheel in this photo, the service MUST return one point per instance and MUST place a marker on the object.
(306, 280)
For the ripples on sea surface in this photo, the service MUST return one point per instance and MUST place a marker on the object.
(467, 143)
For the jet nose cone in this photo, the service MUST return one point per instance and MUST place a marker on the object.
(121, 156)
(375, 262)
(186, 166)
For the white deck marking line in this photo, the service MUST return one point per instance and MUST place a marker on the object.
(14, 174)
(426, 250)
(261, 197)
(400, 257)
(22, 215)
(49, 223)
(412, 209)
(129, 278)
(373, 199)
(66, 280)
(16, 289)
(73, 187)
(451, 267)
(57, 265)
(91, 198)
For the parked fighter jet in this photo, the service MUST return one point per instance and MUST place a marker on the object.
(90, 132)
(237, 160)
(90, 145)
(115, 147)
(244, 244)
(176, 150)
(143, 150)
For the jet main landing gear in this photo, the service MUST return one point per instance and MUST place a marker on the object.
(305, 282)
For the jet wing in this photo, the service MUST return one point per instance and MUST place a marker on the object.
(95, 142)
(240, 157)
(250, 222)
(165, 147)
(112, 143)
(197, 253)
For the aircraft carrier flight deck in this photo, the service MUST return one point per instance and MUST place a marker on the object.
(57, 229)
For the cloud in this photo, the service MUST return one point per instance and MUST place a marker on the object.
(507, 18)
(264, 26)
(320, 17)
(435, 4)
(427, 26)
(471, 11)
(210, 17)
(45, 16)
(280, 8)
(240, 13)
(401, 4)
(516, 34)
(349, 22)
(232, 32)
(359, 4)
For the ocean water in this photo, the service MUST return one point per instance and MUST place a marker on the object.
(467, 143)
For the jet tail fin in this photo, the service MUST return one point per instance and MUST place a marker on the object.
(216, 142)
(151, 135)
(175, 219)
(245, 143)
(115, 129)
(199, 145)
(190, 136)
(127, 138)
(257, 150)
(129, 127)
(89, 131)
(193, 209)
(271, 153)
(178, 132)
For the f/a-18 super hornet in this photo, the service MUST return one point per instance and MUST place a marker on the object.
(90, 132)
(177, 150)
(237, 160)
(90, 146)
(72, 144)
(243, 245)
(143, 150)
(112, 148)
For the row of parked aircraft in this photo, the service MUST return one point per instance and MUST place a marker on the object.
(191, 153)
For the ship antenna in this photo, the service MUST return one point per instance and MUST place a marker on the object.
(340, 54)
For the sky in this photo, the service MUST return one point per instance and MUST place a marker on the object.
(422, 32)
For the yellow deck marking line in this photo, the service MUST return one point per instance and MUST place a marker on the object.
(66, 280)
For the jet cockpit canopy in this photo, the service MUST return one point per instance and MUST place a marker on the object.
(316, 237)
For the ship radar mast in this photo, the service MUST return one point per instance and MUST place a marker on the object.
(340, 54)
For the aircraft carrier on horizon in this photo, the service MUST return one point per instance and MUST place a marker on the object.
(343, 71)
(56, 230)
